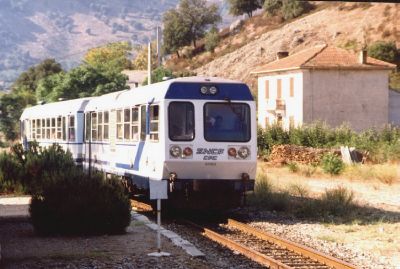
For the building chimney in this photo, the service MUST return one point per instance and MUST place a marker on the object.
(281, 54)
(362, 57)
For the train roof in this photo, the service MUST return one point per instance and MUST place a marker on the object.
(56, 109)
(178, 88)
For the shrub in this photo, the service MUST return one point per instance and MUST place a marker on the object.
(293, 167)
(211, 39)
(10, 174)
(264, 196)
(385, 51)
(290, 8)
(337, 202)
(74, 204)
(332, 164)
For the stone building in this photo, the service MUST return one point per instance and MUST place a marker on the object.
(324, 83)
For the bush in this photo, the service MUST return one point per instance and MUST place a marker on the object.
(289, 8)
(74, 204)
(385, 51)
(211, 39)
(332, 164)
(264, 196)
(337, 202)
(293, 167)
(10, 174)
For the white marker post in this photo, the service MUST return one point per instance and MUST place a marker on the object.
(158, 190)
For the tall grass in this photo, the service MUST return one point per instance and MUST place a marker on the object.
(382, 145)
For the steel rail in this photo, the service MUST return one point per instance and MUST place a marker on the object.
(297, 248)
(140, 206)
(248, 252)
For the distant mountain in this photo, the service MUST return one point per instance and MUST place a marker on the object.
(31, 31)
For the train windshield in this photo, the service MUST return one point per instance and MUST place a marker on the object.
(227, 122)
(181, 121)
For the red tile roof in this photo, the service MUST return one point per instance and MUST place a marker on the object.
(322, 57)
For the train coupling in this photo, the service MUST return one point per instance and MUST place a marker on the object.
(173, 178)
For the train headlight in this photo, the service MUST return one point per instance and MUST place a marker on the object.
(187, 152)
(232, 152)
(244, 152)
(213, 90)
(204, 90)
(175, 151)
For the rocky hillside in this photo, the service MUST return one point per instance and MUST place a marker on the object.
(34, 30)
(346, 25)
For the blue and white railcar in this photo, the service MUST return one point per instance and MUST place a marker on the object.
(197, 133)
(60, 122)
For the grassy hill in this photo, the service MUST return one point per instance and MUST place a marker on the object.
(348, 25)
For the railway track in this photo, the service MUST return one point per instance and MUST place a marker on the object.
(263, 247)
(268, 249)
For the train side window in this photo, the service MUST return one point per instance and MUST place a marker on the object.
(43, 129)
(33, 129)
(87, 126)
(143, 123)
(59, 131)
(105, 127)
(64, 133)
(119, 125)
(48, 127)
(127, 121)
(53, 128)
(135, 124)
(154, 113)
(94, 126)
(100, 126)
(71, 128)
(181, 121)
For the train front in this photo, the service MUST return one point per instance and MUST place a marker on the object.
(212, 141)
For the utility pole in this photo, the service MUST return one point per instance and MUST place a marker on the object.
(149, 64)
(158, 40)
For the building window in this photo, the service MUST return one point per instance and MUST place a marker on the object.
(135, 124)
(64, 133)
(291, 122)
(291, 87)
(266, 121)
(267, 89)
(279, 89)
(154, 113)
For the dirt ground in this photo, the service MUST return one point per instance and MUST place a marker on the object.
(21, 248)
(376, 235)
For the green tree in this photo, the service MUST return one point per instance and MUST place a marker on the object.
(112, 55)
(82, 81)
(212, 39)
(198, 16)
(29, 80)
(385, 51)
(140, 61)
(158, 74)
(11, 106)
(240, 7)
(176, 32)
(22, 95)
(288, 8)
